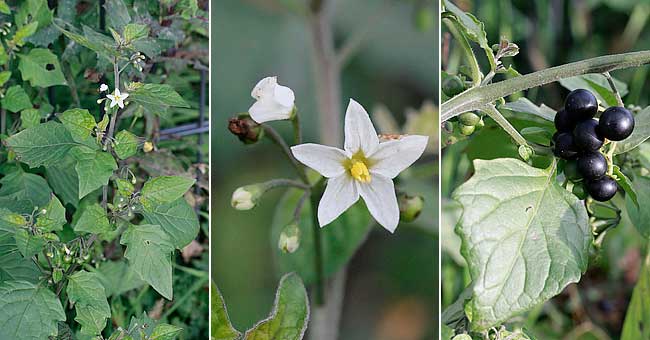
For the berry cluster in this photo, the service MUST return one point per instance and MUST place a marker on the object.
(579, 138)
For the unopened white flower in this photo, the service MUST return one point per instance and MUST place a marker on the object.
(245, 198)
(364, 168)
(274, 101)
(289, 240)
(103, 87)
(117, 98)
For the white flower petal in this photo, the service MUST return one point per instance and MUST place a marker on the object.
(394, 156)
(267, 110)
(381, 201)
(284, 96)
(327, 160)
(125, 95)
(117, 93)
(359, 131)
(340, 193)
(264, 87)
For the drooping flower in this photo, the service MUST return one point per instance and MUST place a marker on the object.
(117, 98)
(103, 87)
(364, 168)
(274, 101)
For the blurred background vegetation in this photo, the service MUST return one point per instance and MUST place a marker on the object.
(551, 33)
(391, 290)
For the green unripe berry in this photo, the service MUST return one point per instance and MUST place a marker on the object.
(469, 118)
(448, 126)
(571, 171)
(579, 190)
(452, 86)
(410, 207)
(466, 130)
(479, 125)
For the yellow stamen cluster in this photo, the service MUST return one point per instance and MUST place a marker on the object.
(359, 171)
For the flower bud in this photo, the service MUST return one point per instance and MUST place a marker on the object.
(410, 207)
(289, 238)
(245, 198)
(245, 128)
(147, 147)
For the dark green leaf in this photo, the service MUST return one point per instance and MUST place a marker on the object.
(16, 99)
(20, 185)
(87, 294)
(222, 329)
(45, 144)
(41, 68)
(94, 169)
(177, 219)
(126, 144)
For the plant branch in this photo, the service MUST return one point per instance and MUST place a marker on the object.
(477, 98)
(111, 129)
(491, 111)
(610, 80)
(279, 141)
(452, 26)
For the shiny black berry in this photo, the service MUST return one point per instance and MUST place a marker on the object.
(616, 123)
(571, 170)
(602, 189)
(581, 104)
(564, 122)
(564, 146)
(587, 135)
(592, 165)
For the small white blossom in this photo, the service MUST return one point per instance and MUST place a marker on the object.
(117, 98)
(242, 199)
(103, 88)
(365, 168)
(274, 101)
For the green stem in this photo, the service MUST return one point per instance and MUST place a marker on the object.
(491, 111)
(297, 132)
(279, 141)
(452, 26)
(478, 98)
(318, 247)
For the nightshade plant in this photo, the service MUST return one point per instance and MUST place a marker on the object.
(526, 225)
(82, 220)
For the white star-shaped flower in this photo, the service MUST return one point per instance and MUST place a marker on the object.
(274, 101)
(103, 87)
(117, 98)
(364, 168)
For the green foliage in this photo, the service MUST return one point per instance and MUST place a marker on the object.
(637, 317)
(86, 292)
(28, 311)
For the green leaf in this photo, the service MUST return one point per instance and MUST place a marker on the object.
(117, 14)
(340, 239)
(524, 238)
(133, 32)
(221, 327)
(524, 105)
(155, 98)
(118, 278)
(28, 311)
(126, 144)
(79, 122)
(640, 134)
(164, 189)
(28, 244)
(4, 8)
(29, 118)
(16, 99)
(24, 33)
(637, 318)
(54, 217)
(45, 144)
(87, 294)
(626, 184)
(64, 181)
(4, 77)
(149, 250)
(164, 331)
(598, 85)
(473, 29)
(97, 42)
(93, 220)
(639, 215)
(13, 266)
(20, 185)
(11, 221)
(41, 68)
(290, 314)
(177, 219)
(94, 169)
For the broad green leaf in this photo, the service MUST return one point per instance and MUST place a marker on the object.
(41, 68)
(640, 134)
(639, 215)
(20, 185)
(45, 144)
(87, 294)
(94, 169)
(524, 238)
(177, 219)
(637, 317)
(598, 85)
(164, 189)
(290, 314)
(79, 122)
(155, 98)
(164, 331)
(626, 184)
(340, 239)
(97, 42)
(4, 77)
(54, 217)
(149, 250)
(524, 105)
(24, 33)
(221, 327)
(28, 311)
(134, 32)
(93, 220)
(13, 266)
(117, 14)
(11, 221)
(28, 244)
(33, 10)
(29, 118)
(4, 8)
(118, 278)
(473, 29)
(16, 99)
(64, 181)
(126, 144)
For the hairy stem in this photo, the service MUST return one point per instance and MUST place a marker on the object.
(477, 98)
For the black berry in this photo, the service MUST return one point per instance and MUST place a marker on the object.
(587, 135)
(581, 104)
(602, 189)
(571, 170)
(616, 123)
(564, 146)
(564, 122)
(592, 165)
